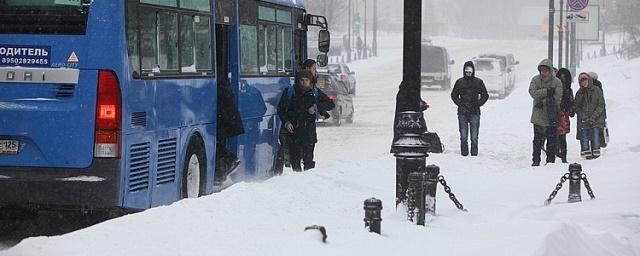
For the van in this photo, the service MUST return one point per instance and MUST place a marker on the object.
(435, 70)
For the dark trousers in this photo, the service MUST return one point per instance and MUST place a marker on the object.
(562, 146)
(540, 134)
(301, 151)
(283, 153)
(469, 124)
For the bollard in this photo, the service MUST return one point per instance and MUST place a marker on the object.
(409, 148)
(416, 197)
(433, 171)
(372, 214)
(575, 176)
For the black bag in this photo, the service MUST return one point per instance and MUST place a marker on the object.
(435, 145)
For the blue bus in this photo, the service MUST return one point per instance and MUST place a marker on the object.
(109, 104)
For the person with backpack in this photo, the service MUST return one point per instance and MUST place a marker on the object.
(299, 108)
(566, 111)
(546, 91)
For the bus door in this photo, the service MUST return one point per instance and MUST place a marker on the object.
(227, 71)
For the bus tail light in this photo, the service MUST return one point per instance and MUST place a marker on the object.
(108, 116)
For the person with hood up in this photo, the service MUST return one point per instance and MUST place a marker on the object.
(546, 91)
(298, 111)
(603, 138)
(566, 111)
(591, 117)
(469, 94)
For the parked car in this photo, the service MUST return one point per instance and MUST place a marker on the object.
(339, 92)
(435, 69)
(507, 65)
(345, 74)
(489, 70)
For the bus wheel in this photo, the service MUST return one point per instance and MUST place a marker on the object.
(193, 171)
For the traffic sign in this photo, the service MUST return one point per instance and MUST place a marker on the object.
(578, 5)
(577, 17)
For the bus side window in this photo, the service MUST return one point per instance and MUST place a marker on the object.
(148, 39)
(132, 37)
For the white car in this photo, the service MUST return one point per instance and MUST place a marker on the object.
(496, 80)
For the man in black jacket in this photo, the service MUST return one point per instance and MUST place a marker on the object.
(298, 113)
(469, 93)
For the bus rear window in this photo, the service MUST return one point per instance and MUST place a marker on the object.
(64, 17)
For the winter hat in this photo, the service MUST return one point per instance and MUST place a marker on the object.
(593, 75)
(306, 74)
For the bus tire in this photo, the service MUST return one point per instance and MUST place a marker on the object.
(194, 170)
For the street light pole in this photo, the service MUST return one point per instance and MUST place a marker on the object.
(560, 34)
(407, 146)
(551, 11)
(349, 24)
(374, 44)
(364, 50)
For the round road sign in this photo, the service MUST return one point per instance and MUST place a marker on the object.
(578, 4)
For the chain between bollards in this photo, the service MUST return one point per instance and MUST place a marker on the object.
(564, 178)
(588, 186)
(575, 176)
(451, 195)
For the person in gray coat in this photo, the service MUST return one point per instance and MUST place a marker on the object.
(546, 91)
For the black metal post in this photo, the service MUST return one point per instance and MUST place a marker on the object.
(372, 214)
(374, 44)
(560, 34)
(432, 185)
(410, 150)
(575, 176)
(416, 196)
(551, 11)
(408, 146)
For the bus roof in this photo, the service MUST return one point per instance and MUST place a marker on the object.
(290, 3)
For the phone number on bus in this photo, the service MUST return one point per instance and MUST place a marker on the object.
(25, 61)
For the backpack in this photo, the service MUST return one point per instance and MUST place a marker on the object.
(290, 100)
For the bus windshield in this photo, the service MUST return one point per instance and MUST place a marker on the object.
(66, 17)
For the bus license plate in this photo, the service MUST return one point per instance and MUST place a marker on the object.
(9, 147)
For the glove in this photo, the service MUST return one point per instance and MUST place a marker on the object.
(325, 114)
(550, 92)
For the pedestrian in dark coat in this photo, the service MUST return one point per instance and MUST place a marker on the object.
(229, 125)
(591, 117)
(598, 83)
(546, 92)
(469, 94)
(566, 111)
(299, 114)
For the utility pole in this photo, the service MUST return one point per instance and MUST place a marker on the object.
(551, 11)
(574, 50)
(374, 44)
(566, 45)
(349, 24)
(364, 50)
(560, 34)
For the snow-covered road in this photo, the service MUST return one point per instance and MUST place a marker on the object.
(503, 193)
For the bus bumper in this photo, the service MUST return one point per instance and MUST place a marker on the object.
(95, 187)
